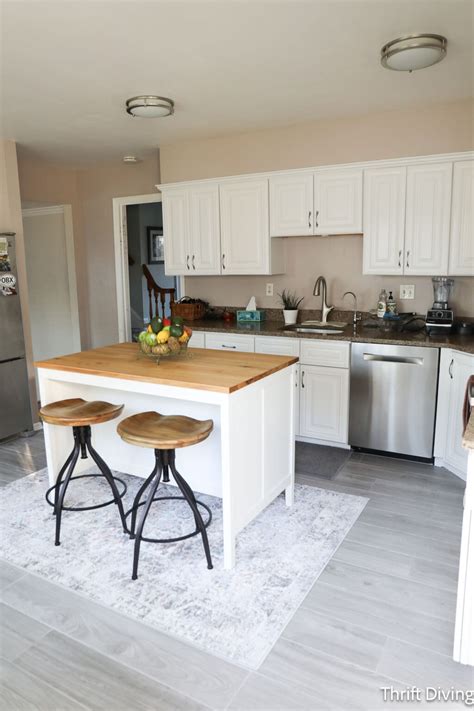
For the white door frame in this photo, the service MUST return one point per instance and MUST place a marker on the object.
(66, 211)
(119, 206)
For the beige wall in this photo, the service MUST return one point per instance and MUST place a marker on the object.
(90, 192)
(433, 129)
(10, 221)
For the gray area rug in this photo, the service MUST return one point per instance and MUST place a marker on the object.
(237, 615)
(319, 460)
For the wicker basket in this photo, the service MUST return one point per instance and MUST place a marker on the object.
(189, 312)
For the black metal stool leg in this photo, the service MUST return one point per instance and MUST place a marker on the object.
(60, 476)
(191, 499)
(148, 503)
(108, 476)
(137, 499)
(62, 493)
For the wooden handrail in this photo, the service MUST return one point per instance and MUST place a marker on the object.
(157, 294)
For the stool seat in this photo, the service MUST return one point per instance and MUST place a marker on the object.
(150, 429)
(77, 412)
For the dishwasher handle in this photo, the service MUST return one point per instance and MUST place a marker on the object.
(393, 359)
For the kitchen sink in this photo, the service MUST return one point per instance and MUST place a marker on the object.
(321, 324)
(334, 327)
(315, 329)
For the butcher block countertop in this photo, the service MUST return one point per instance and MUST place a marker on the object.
(199, 369)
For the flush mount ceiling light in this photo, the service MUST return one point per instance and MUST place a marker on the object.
(412, 52)
(149, 106)
(131, 159)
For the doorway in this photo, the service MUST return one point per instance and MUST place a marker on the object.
(138, 225)
(51, 278)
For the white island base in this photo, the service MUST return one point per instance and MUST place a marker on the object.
(248, 460)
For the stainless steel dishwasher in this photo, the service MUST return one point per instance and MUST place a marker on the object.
(393, 398)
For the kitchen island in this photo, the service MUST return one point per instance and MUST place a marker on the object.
(249, 458)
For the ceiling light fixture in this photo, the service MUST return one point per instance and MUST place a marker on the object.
(130, 159)
(149, 106)
(412, 52)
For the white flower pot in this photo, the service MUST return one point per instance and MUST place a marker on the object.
(290, 316)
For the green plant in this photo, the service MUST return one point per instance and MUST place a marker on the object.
(289, 300)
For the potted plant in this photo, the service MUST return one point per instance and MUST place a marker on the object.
(290, 303)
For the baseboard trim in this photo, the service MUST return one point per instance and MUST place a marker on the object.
(454, 470)
(324, 442)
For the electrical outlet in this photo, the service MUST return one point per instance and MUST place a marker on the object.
(407, 291)
(269, 290)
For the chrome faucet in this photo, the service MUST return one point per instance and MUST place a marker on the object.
(325, 309)
(355, 317)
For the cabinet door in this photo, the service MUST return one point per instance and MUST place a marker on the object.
(427, 219)
(338, 202)
(324, 403)
(176, 230)
(461, 255)
(460, 368)
(245, 237)
(204, 230)
(384, 220)
(230, 342)
(291, 205)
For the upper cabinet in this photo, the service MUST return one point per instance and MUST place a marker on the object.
(176, 228)
(325, 202)
(428, 209)
(461, 255)
(338, 202)
(384, 220)
(291, 205)
(204, 249)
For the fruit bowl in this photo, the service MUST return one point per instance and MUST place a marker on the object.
(164, 339)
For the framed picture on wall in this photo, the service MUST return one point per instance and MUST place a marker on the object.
(156, 254)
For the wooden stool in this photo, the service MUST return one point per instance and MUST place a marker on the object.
(164, 435)
(80, 415)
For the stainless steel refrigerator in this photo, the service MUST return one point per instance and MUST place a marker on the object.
(15, 410)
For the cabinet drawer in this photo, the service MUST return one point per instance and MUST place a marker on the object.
(333, 354)
(198, 340)
(230, 342)
(277, 346)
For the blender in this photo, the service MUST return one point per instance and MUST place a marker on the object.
(439, 318)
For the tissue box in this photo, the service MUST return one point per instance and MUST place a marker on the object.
(251, 316)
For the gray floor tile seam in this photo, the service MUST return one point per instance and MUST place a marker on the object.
(430, 474)
(387, 527)
(35, 642)
(431, 513)
(448, 659)
(288, 686)
(45, 683)
(398, 607)
(13, 582)
(117, 662)
(237, 691)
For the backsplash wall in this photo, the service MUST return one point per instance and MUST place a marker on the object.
(337, 258)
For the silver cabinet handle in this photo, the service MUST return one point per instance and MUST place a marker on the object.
(309, 218)
(400, 258)
(187, 261)
(192, 262)
(223, 261)
(316, 215)
(223, 345)
(302, 378)
(451, 368)
(408, 258)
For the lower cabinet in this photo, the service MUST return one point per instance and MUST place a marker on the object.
(324, 403)
(230, 342)
(455, 370)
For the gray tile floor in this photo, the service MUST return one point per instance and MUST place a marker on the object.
(381, 614)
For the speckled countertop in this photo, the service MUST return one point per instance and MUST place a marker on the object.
(363, 334)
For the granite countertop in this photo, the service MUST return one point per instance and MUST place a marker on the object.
(363, 334)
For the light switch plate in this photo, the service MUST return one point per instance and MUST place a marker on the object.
(407, 291)
(269, 290)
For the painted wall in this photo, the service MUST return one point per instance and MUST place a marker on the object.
(11, 221)
(432, 129)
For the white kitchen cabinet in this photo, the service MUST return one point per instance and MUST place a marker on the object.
(245, 233)
(291, 205)
(384, 220)
(324, 403)
(198, 339)
(334, 354)
(461, 255)
(428, 209)
(279, 345)
(204, 230)
(175, 203)
(454, 373)
(337, 202)
(230, 342)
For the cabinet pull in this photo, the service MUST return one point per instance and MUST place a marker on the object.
(408, 258)
(451, 368)
(302, 378)
(309, 218)
(316, 215)
(187, 261)
(400, 258)
(223, 345)
(223, 261)
(192, 262)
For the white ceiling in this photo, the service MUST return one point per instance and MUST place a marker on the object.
(230, 66)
